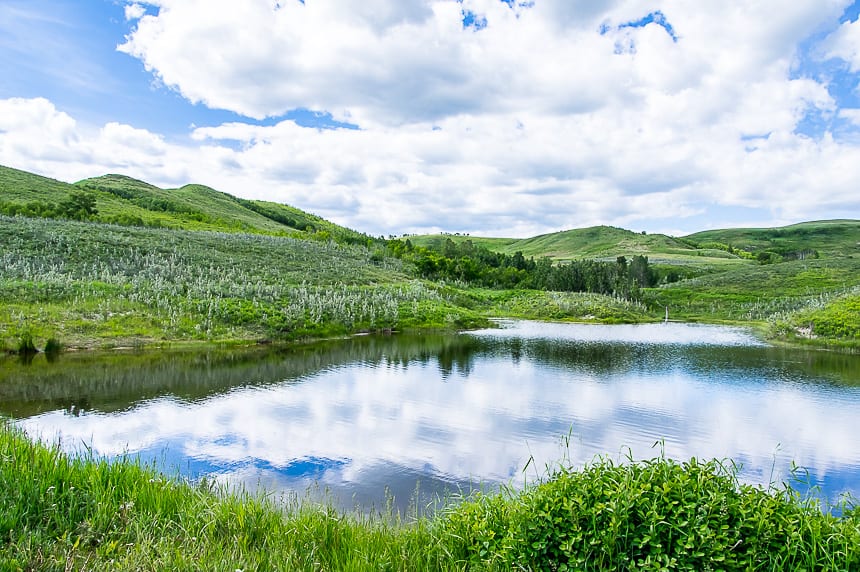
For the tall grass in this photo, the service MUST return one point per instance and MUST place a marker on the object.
(159, 284)
(62, 513)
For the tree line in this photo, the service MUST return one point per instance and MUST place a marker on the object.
(477, 265)
(77, 206)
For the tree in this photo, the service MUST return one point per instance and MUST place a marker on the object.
(79, 206)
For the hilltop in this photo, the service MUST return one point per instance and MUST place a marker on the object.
(831, 239)
(127, 201)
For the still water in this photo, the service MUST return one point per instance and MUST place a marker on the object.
(370, 418)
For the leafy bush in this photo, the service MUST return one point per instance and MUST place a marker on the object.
(653, 515)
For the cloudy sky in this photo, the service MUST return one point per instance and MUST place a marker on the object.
(494, 117)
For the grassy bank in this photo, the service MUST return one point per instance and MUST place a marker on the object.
(61, 513)
(811, 302)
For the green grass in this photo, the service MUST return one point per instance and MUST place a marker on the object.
(758, 293)
(565, 306)
(832, 238)
(825, 320)
(88, 284)
(78, 513)
(191, 207)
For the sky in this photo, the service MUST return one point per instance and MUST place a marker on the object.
(490, 117)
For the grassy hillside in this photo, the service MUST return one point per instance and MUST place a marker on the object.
(128, 201)
(90, 284)
(759, 292)
(603, 243)
(831, 239)
(711, 250)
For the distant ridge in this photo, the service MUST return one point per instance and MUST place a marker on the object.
(834, 238)
(126, 200)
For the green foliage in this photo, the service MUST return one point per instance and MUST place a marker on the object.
(53, 346)
(64, 513)
(468, 263)
(79, 206)
(653, 515)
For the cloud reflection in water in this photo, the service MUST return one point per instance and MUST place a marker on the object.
(361, 427)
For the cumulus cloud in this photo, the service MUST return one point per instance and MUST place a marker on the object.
(394, 62)
(548, 115)
(844, 44)
(134, 11)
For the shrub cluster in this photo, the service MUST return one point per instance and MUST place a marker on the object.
(653, 515)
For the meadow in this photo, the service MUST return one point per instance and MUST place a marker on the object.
(92, 285)
(149, 266)
(85, 284)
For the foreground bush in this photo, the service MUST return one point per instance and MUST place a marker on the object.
(654, 515)
(62, 513)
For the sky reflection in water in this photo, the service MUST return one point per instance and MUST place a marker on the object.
(476, 407)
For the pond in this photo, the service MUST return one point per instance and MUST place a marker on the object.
(400, 419)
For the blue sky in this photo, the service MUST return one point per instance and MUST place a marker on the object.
(491, 117)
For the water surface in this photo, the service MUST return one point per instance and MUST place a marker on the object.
(373, 417)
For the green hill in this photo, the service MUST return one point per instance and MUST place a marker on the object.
(603, 243)
(127, 201)
(830, 239)
(710, 250)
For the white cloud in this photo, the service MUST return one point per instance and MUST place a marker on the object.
(844, 44)
(852, 115)
(390, 62)
(531, 124)
(134, 12)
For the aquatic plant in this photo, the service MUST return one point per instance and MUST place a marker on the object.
(25, 344)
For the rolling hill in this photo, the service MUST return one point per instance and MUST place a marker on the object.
(711, 250)
(124, 200)
(830, 238)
